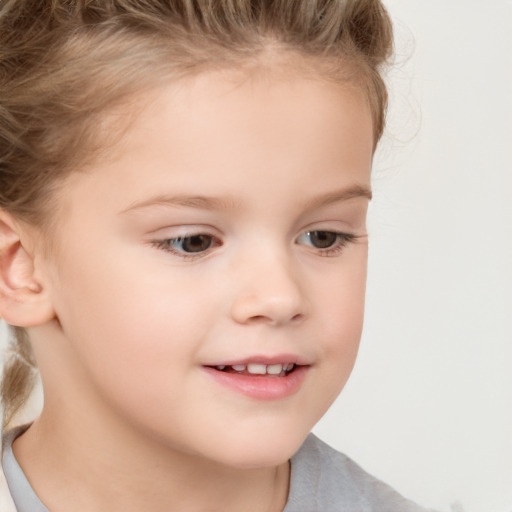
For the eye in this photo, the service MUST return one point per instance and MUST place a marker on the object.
(321, 239)
(188, 245)
(328, 242)
(192, 244)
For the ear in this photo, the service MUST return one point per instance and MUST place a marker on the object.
(24, 302)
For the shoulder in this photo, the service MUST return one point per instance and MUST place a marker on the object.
(6, 503)
(326, 480)
(6, 461)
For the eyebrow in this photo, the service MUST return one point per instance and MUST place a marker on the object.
(198, 202)
(336, 196)
(229, 203)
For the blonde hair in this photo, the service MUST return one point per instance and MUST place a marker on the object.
(64, 63)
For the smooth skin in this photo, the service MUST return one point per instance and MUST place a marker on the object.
(228, 222)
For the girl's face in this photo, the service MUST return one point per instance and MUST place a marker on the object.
(223, 238)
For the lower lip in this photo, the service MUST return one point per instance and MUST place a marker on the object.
(261, 387)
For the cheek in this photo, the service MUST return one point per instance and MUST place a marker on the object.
(343, 298)
(130, 324)
(341, 323)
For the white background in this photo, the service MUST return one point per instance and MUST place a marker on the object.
(429, 405)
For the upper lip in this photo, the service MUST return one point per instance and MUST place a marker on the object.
(263, 359)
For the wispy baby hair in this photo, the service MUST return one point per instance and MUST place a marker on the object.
(64, 64)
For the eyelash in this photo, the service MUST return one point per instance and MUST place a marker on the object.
(167, 244)
(340, 243)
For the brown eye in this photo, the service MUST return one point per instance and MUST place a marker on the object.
(322, 239)
(192, 244)
(326, 243)
(188, 246)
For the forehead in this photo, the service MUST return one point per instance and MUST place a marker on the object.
(235, 134)
(226, 112)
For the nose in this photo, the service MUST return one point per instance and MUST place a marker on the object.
(269, 291)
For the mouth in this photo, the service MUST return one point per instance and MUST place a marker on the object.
(261, 379)
(257, 369)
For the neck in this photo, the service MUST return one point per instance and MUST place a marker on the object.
(99, 470)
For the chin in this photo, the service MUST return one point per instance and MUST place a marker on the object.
(261, 450)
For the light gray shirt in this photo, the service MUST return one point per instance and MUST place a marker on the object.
(322, 480)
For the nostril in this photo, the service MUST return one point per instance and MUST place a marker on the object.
(271, 319)
(258, 319)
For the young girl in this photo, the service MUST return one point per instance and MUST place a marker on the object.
(183, 193)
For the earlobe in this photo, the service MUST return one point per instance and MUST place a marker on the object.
(23, 300)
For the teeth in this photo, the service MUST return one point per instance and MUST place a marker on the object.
(259, 369)
(274, 369)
